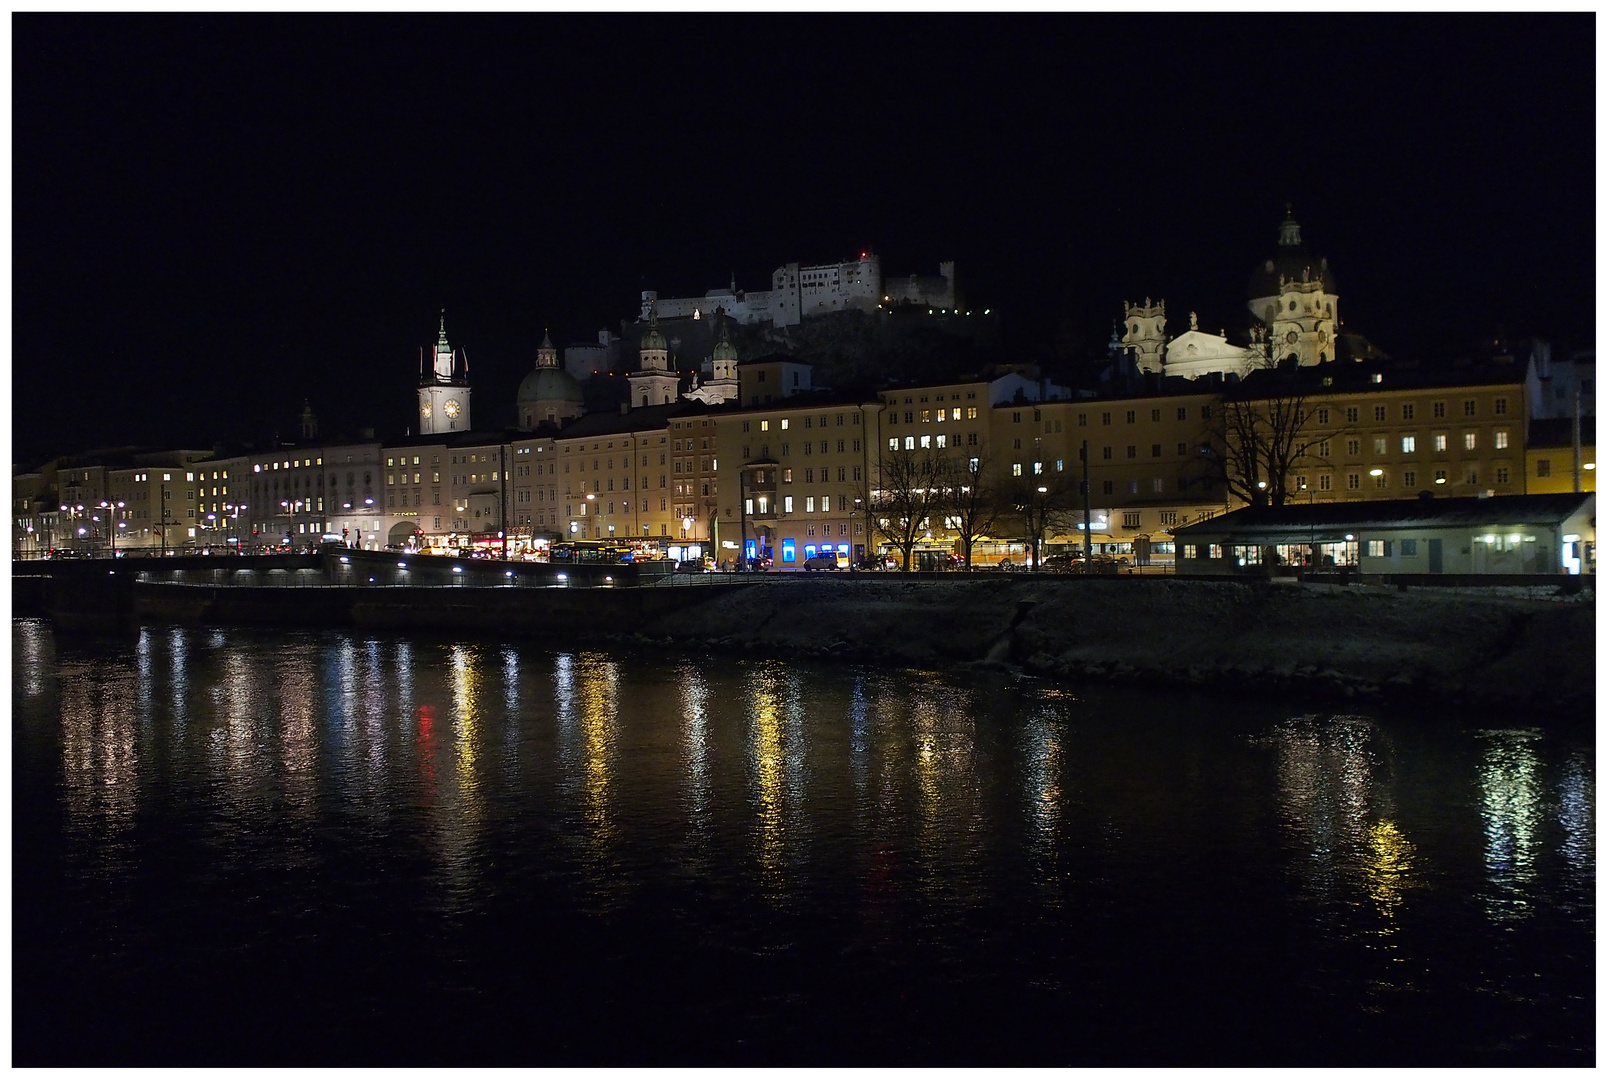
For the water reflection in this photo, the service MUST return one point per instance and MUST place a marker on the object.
(1577, 815)
(1511, 802)
(100, 764)
(695, 746)
(762, 693)
(1335, 793)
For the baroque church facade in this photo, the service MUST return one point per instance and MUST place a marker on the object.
(1293, 301)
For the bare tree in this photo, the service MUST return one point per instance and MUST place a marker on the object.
(970, 499)
(904, 495)
(1262, 427)
(1045, 503)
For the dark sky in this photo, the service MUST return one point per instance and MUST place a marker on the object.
(215, 217)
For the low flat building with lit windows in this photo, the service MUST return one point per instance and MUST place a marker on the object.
(1502, 534)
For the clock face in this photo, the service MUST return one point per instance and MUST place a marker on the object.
(452, 408)
(427, 411)
(1291, 337)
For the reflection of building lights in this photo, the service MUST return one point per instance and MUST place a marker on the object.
(1388, 862)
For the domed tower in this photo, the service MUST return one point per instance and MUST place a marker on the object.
(1293, 295)
(1145, 333)
(548, 395)
(654, 383)
(444, 389)
(722, 384)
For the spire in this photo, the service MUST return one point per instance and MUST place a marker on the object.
(1289, 231)
(441, 342)
(547, 339)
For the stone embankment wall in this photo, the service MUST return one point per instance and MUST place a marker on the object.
(1470, 648)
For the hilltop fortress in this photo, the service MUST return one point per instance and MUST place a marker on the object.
(801, 292)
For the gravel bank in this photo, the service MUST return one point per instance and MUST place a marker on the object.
(1508, 648)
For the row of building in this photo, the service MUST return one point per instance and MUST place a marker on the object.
(787, 468)
(755, 458)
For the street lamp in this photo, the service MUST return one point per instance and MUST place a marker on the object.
(114, 521)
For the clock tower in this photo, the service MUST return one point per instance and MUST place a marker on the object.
(443, 389)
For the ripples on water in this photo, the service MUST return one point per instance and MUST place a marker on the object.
(234, 847)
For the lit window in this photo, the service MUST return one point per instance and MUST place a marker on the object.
(1016, 468)
(1501, 440)
(1440, 444)
(1409, 444)
(1470, 440)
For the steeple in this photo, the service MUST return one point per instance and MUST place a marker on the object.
(443, 353)
(546, 355)
(1289, 231)
(724, 361)
(654, 352)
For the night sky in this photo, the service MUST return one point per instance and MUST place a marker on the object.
(216, 217)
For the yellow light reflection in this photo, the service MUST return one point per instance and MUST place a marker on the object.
(765, 732)
(1387, 868)
(596, 686)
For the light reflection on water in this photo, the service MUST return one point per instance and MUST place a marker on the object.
(1511, 801)
(927, 819)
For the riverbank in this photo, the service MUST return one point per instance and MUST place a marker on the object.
(1495, 648)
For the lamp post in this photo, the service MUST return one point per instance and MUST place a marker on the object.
(864, 548)
(114, 521)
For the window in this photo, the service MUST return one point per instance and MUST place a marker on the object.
(1470, 440)
(1182, 449)
(1379, 445)
(1381, 481)
(1438, 409)
(1130, 519)
(1130, 416)
(1083, 419)
(1105, 453)
(1409, 444)
(1323, 416)
(1543, 467)
(1406, 412)
(1105, 418)
(1440, 476)
(1155, 414)
(1106, 487)
(1169, 517)
(1016, 468)
(1501, 440)
(1353, 447)
(1157, 485)
(1183, 413)
(1379, 549)
(1501, 474)
(1473, 476)
(1155, 449)
(1133, 451)
(1324, 481)
(1379, 412)
(1440, 444)
(1409, 479)
(1323, 448)
(1351, 415)
(1353, 481)
(1469, 408)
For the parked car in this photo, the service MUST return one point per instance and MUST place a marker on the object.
(821, 562)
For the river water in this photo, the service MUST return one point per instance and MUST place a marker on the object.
(243, 847)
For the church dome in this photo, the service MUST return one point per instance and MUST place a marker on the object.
(549, 384)
(1292, 262)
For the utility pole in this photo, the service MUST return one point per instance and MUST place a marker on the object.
(1088, 535)
(1576, 439)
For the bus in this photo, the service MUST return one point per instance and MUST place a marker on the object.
(589, 551)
